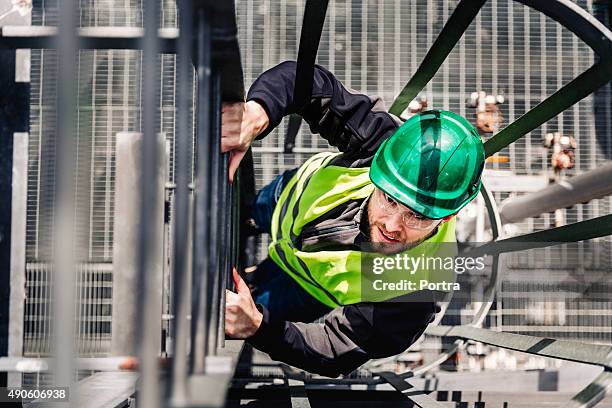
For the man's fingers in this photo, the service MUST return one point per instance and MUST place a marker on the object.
(230, 297)
(231, 127)
(232, 106)
(236, 278)
(241, 285)
(235, 159)
(229, 144)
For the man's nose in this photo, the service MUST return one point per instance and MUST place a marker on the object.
(394, 223)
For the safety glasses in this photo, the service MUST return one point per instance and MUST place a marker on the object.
(410, 218)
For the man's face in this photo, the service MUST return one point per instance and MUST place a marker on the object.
(393, 226)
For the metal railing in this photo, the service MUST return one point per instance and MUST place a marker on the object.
(206, 245)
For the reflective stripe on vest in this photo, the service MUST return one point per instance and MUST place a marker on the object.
(332, 277)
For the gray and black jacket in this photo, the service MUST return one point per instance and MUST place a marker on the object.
(350, 335)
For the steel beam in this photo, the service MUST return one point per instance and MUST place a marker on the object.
(201, 221)
(64, 270)
(14, 116)
(18, 245)
(418, 397)
(183, 209)
(579, 231)
(150, 220)
(217, 210)
(580, 352)
(593, 393)
(226, 247)
(578, 189)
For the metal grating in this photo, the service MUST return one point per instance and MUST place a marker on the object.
(104, 13)
(109, 101)
(375, 46)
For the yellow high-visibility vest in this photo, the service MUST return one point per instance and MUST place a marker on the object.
(336, 278)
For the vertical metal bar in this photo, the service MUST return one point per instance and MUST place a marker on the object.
(226, 247)
(87, 302)
(64, 205)
(527, 84)
(236, 225)
(181, 204)
(479, 61)
(543, 81)
(462, 76)
(180, 369)
(429, 37)
(218, 208)
(125, 283)
(270, 47)
(397, 49)
(380, 66)
(511, 94)
(36, 308)
(199, 328)
(348, 63)
(148, 321)
(364, 48)
(228, 243)
(18, 256)
(249, 38)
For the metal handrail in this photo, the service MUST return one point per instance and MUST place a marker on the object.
(594, 354)
(14, 37)
(219, 78)
(184, 208)
(579, 231)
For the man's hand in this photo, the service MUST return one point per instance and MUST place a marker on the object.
(241, 123)
(242, 319)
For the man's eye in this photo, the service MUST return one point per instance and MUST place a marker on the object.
(390, 200)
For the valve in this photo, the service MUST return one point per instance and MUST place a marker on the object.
(489, 118)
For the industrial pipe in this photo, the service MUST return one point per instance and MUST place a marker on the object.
(578, 189)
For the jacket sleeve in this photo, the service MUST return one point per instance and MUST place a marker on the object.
(348, 336)
(354, 123)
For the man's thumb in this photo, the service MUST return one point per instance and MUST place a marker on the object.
(241, 286)
(234, 162)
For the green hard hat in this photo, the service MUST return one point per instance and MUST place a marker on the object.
(431, 164)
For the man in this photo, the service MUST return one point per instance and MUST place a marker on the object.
(389, 190)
